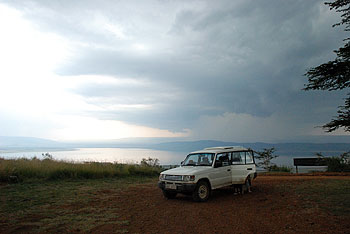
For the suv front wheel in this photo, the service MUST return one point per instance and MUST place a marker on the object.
(201, 192)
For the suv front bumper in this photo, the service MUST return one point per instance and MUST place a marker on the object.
(180, 187)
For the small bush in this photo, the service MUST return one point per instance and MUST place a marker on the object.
(276, 168)
(150, 162)
(264, 157)
(336, 164)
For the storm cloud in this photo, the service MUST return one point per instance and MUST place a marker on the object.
(227, 70)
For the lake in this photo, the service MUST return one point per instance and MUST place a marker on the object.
(130, 155)
(120, 155)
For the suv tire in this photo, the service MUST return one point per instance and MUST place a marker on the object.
(202, 191)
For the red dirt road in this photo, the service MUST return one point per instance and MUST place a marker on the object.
(265, 210)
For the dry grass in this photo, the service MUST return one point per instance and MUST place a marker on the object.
(16, 170)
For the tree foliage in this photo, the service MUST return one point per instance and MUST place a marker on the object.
(335, 75)
(47, 156)
(342, 120)
(337, 163)
(265, 157)
(150, 162)
(343, 7)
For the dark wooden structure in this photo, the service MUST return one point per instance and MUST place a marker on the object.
(309, 162)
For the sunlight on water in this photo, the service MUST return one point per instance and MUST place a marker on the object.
(120, 155)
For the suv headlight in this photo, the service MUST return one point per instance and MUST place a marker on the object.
(161, 177)
(188, 178)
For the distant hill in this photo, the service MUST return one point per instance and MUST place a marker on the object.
(26, 142)
(285, 149)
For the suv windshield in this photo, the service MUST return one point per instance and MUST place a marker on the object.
(200, 159)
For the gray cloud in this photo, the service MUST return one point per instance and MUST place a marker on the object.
(205, 58)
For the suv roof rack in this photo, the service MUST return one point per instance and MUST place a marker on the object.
(223, 147)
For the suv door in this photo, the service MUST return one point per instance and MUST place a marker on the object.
(221, 174)
(249, 161)
(239, 169)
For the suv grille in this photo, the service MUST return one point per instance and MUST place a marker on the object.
(173, 177)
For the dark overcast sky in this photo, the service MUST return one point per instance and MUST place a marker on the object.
(225, 70)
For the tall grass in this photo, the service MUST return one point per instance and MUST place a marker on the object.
(275, 168)
(22, 169)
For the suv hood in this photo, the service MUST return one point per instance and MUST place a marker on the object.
(186, 170)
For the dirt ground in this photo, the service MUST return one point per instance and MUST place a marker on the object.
(274, 206)
(265, 210)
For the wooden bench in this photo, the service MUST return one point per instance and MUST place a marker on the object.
(309, 162)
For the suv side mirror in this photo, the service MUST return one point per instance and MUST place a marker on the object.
(218, 164)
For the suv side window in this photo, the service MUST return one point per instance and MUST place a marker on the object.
(242, 154)
(249, 157)
(236, 158)
(224, 158)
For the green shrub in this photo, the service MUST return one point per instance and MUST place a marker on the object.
(264, 158)
(150, 162)
(336, 164)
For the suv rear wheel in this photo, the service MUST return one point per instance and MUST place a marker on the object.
(201, 192)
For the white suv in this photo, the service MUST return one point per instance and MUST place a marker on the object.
(208, 169)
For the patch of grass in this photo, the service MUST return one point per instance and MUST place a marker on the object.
(14, 170)
(282, 168)
(64, 205)
(331, 195)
